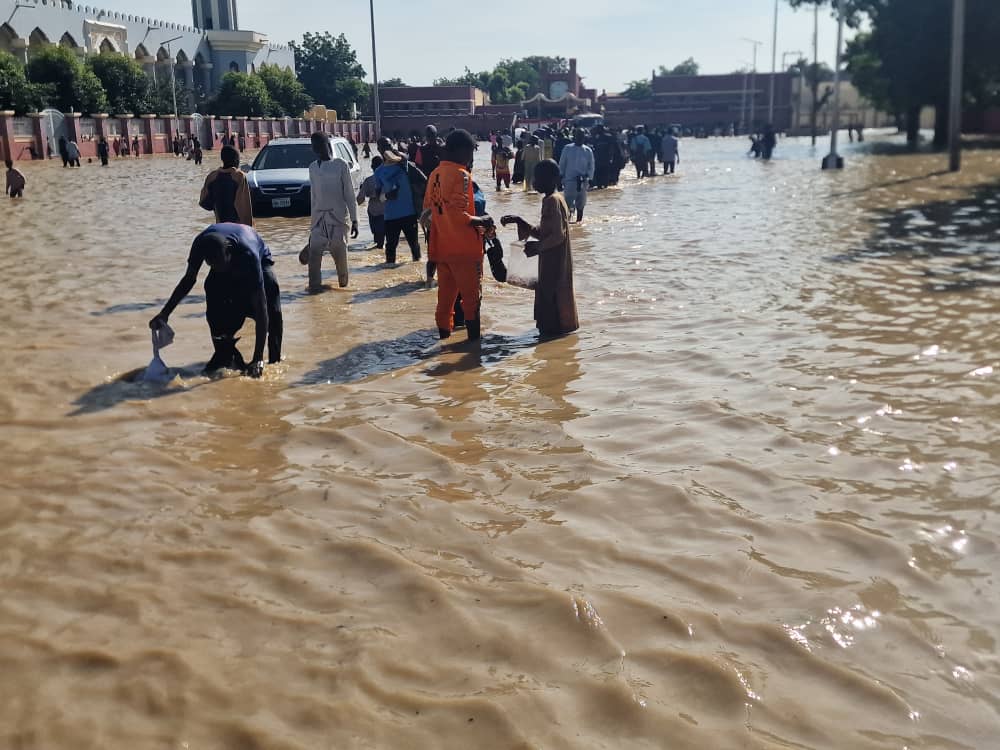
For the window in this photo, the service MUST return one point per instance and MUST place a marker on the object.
(345, 153)
(234, 67)
(298, 156)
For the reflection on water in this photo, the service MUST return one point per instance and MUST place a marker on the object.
(752, 503)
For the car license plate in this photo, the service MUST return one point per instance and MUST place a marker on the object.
(281, 202)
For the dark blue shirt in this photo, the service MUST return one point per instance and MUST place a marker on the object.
(249, 254)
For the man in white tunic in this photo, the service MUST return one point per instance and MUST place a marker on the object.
(576, 167)
(333, 210)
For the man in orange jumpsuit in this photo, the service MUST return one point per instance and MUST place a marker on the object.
(456, 239)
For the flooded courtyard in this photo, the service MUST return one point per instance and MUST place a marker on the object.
(752, 503)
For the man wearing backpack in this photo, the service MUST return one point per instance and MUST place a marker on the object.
(430, 152)
(403, 185)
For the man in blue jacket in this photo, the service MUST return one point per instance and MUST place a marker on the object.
(400, 207)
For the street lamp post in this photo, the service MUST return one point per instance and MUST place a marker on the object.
(815, 75)
(753, 80)
(173, 72)
(802, 87)
(833, 160)
(378, 115)
(957, 61)
(774, 65)
(743, 100)
(143, 41)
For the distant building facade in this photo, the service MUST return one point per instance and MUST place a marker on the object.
(203, 53)
(735, 101)
(432, 102)
(408, 109)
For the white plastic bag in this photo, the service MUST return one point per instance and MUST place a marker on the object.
(522, 271)
(157, 371)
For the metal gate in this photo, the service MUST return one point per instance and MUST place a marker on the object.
(202, 131)
(54, 128)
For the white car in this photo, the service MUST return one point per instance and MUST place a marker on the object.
(279, 176)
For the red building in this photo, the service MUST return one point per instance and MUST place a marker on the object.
(429, 102)
(708, 102)
(557, 84)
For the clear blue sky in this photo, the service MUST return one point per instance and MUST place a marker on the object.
(615, 42)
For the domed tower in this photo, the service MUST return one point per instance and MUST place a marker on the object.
(215, 15)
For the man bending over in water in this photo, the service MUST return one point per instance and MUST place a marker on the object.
(241, 284)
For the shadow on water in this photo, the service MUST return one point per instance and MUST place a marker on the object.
(373, 358)
(965, 231)
(127, 307)
(398, 290)
(381, 357)
(129, 387)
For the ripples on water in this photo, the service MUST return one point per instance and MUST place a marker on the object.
(750, 504)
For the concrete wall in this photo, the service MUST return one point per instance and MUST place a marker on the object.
(19, 136)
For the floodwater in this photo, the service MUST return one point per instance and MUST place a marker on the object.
(753, 503)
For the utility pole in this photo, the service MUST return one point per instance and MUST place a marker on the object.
(774, 65)
(833, 160)
(753, 81)
(173, 73)
(815, 74)
(378, 115)
(957, 61)
(797, 122)
(743, 101)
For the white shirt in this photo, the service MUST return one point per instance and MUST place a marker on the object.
(669, 148)
(332, 191)
(576, 161)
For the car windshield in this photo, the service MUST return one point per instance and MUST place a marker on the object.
(285, 156)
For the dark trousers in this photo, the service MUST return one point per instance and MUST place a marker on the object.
(408, 227)
(668, 166)
(377, 223)
(228, 305)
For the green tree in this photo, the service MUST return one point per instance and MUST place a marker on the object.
(638, 90)
(468, 78)
(901, 61)
(811, 71)
(160, 99)
(286, 91)
(124, 81)
(329, 70)
(73, 85)
(687, 68)
(241, 95)
(16, 92)
(392, 83)
(510, 81)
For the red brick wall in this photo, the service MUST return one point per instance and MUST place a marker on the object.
(87, 134)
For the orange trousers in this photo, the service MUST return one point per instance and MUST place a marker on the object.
(458, 277)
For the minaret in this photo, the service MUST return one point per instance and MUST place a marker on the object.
(215, 15)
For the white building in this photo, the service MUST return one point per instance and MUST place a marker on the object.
(202, 54)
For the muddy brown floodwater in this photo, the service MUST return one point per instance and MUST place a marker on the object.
(753, 503)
